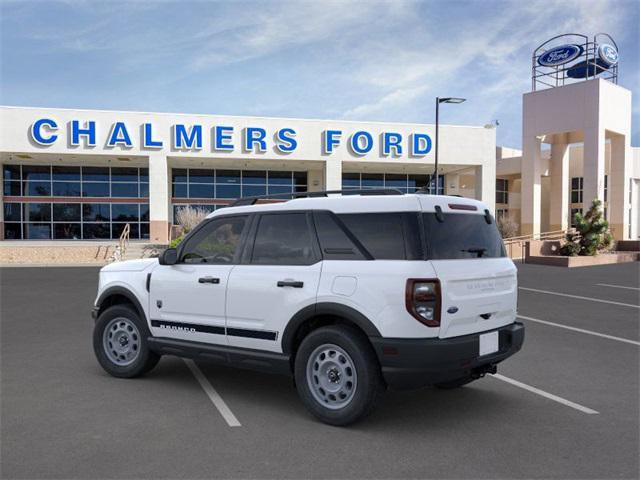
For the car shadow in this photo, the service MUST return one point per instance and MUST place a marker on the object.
(276, 396)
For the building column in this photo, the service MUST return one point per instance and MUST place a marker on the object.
(451, 183)
(531, 186)
(618, 190)
(314, 180)
(1, 204)
(485, 185)
(333, 174)
(593, 166)
(559, 204)
(159, 198)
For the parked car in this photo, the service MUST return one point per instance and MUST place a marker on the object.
(350, 294)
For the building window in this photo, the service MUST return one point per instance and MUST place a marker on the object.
(194, 186)
(606, 187)
(572, 220)
(576, 189)
(232, 184)
(502, 190)
(501, 213)
(98, 202)
(400, 181)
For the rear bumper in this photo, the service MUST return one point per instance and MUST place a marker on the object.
(413, 363)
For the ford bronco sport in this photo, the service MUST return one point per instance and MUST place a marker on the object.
(349, 294)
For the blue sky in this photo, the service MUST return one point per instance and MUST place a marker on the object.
(355, 60)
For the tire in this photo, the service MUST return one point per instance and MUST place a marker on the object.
(340, 359)
(123, 350)
(454, 383)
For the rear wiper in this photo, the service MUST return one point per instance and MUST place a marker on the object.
(479, 251)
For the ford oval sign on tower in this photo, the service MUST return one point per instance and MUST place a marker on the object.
(560, 55)
(571, 57)
(608, 54)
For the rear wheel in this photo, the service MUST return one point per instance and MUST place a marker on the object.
(337, 375)
(120, 343)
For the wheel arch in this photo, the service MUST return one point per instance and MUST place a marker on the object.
(320, 314)
(117, 295)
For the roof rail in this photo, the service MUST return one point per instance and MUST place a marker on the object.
(245, 201)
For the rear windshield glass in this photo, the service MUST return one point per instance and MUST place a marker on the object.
(461, 235)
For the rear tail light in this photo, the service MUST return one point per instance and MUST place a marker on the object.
(423, 301)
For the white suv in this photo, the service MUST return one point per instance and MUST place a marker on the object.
(348, 294)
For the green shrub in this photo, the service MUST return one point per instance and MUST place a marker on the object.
(592, 233)
(176, 241)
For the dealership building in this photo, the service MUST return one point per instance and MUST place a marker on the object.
(86, 174)
(83, 174)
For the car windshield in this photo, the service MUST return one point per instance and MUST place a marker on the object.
(461, 235)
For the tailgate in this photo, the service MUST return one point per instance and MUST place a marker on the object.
(477, 294)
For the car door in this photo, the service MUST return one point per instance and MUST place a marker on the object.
(187, 300)
(278, 276)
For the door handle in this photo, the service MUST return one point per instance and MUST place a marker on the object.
(213, 280)
(290, 283)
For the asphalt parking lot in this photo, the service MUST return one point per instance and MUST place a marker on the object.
(567, 406)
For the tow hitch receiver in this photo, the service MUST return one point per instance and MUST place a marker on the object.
(483, 370)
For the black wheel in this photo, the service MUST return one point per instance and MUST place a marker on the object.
(337, 375)
(120, 343)
(459, 382)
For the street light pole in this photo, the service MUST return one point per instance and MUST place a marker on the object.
(436, 146)
(438, 102)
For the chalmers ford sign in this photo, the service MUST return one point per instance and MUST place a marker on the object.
(220, 138)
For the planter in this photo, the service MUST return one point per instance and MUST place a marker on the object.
(602, 259)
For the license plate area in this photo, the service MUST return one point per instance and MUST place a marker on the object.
(489, 343)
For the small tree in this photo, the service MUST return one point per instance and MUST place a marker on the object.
(592, 233)
(507, 226)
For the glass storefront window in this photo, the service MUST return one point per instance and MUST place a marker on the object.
(66, 212)
(12, 188)
(96, 231)
(96, 212)
(129, 190)
(400, 181)
(254, 177)
(74, 219)
(36, 172)
(67, 231)
(37, 231)
(95, 174)
(197, 190)
(66, 173)
(279, 178)
(95, 189)
(226, 191)
(37, 189)
(37, 212)
(124, 212)
(66, 189)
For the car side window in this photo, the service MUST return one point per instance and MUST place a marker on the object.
(215, 243)
(283, 239)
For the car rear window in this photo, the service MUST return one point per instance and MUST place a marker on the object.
(461, 235)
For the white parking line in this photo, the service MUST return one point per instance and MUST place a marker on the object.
(550, 396)
(579, 297)
(616, 286)
(581, 330)
(213, 395)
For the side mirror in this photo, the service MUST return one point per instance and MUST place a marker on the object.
(169, 257)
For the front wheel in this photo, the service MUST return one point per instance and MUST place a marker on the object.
(337, 375)
(120, 343)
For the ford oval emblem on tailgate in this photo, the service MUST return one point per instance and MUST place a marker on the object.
(452, 309)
